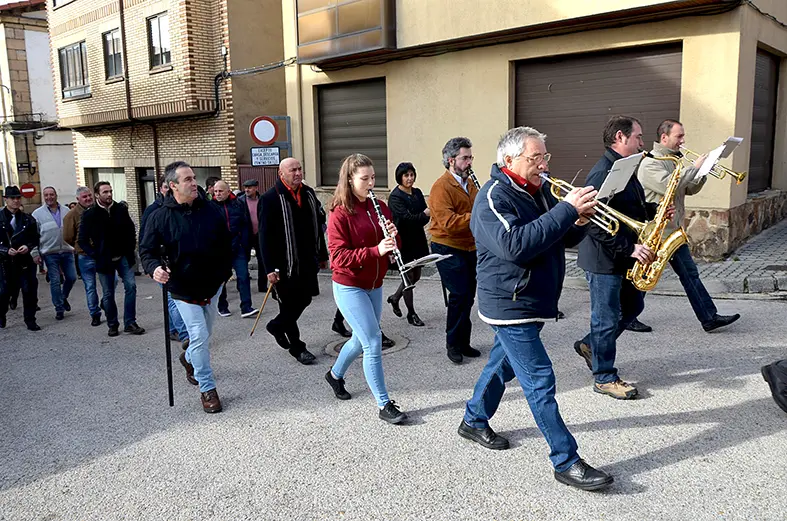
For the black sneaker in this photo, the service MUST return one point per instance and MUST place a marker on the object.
(134, 329)
(113, 331)
(95, 320)
(66, 305)
(338, 386)
(392, 414)
(387, 342)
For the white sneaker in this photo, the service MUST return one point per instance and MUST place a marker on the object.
(249, 313)
(226, 313)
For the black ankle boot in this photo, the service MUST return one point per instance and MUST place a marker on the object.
(414, 320)
(338, 327)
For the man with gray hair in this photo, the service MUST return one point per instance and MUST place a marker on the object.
(521, 232)
(55, 251)
(87, 266)
(450, 203)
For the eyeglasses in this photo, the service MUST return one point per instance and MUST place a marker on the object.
(538, 158)
(466, 158)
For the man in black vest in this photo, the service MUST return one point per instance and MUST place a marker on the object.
(18, 247)
(292, 242)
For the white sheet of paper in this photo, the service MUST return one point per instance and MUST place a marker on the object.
(426, 260)
(713, 157)
(619, 176)
(730, 145)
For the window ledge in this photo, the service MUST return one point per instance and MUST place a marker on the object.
(161, 68)
(114, 79)
(77, 98)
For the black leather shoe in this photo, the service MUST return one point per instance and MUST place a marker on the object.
(414, 320)
(278, 335)
(387, 342)
(306, 358)
(95, 320)
(392, 414)
(32, 326)
(134, 329)
(395, 306)
(59, 315)
(113, 331)
(337, 384)
(720, 321)
(470, 352)
(584, 477)
(484, 437)
(454, 354)
(638, 327)
(338, 327)
(767, 375)
(66, 305)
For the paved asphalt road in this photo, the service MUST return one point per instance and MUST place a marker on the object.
(86, 433)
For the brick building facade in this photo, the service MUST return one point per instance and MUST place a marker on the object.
(137, 82)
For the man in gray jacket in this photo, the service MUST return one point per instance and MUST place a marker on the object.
(55, 251)
(654, 176)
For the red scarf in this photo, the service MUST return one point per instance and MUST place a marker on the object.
(521, 181)
(296, 194)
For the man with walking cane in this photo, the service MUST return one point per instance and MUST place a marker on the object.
(197, 246)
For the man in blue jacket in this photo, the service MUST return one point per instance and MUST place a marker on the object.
(521, 232)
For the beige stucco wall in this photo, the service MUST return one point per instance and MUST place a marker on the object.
(430, 100)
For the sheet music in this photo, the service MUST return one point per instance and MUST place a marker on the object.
(713, 157)
(729, 146)
(426, 260)
(619, 176)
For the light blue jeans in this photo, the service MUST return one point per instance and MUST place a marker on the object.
(362, 309)
(176, 324)
(199, 324)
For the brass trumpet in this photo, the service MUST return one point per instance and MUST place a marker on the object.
(718, 170)
(605, 217)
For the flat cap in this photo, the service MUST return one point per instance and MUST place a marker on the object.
(251, 182)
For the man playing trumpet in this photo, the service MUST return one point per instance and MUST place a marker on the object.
(654, 176)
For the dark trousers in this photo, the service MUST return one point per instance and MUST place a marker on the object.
(686, 268)
(614, 304)
(458, 276)
(262, 276)
(25, 279)
(293, 300)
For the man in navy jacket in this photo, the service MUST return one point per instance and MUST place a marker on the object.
(521, 232)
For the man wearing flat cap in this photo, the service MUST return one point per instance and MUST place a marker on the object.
(251, 199)
(18, 247)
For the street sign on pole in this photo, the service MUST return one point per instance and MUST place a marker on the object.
(28, 190)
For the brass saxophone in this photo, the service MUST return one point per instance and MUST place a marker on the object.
(651, 234)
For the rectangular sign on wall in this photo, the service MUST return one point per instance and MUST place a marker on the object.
(265, 156)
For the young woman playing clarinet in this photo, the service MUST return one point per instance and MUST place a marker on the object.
(359, 251)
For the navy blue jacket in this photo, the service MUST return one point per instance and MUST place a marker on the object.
(521, 243)
(236, 215)
(601, 252)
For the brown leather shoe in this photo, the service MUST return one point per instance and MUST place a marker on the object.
(210, 401)
(189, 369)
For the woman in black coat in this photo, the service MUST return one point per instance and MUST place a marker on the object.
(410, 215)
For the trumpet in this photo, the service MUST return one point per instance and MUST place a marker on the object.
(718, 170)
(605, 217)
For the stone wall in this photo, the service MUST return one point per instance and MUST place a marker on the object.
(714, 234)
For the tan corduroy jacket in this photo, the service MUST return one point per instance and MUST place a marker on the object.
(71, 227)
(451, 207)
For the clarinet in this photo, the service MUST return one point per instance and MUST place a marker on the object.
(397, 255)
(474, 178)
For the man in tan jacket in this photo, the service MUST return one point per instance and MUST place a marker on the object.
(87, 266)
(450, 204)
(654, 176)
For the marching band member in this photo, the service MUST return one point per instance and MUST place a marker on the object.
(359, 258)
(450, 203)
(521, 232)
(654, 176)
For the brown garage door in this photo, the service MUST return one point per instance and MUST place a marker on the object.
(352, 120)
(763, 128)
(571, 99)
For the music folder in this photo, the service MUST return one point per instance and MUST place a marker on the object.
(426, 260)
(619, 176)
(729, 146)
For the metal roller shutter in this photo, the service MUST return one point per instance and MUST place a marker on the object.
(571, 98)
(763, 128)
(352, 120)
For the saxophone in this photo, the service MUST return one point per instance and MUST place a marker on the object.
(651, 234)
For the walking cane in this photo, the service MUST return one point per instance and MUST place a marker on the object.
(167, 342)
(445, 294)
(259, 313)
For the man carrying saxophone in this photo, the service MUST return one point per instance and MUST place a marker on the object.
(614, 301)
(654, 176)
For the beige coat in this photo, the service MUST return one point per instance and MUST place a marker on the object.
(655, 175)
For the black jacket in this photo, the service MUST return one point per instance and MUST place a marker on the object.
(296, 249)
(410, 219)
(27, 236)
(197, 248)
(520, 240)
(236, 217)
(601, 252)
(105, 235)
(152, 207)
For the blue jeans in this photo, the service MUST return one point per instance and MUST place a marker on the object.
(55, 262)
(108, 294)
(362, 309)
(240, 263)
(518, 351)
(176, 324)
(87, 266)
(199, 324)
(614, 304)
(458, 275)
(686, 268)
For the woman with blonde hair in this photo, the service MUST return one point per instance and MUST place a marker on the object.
(359, 259)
